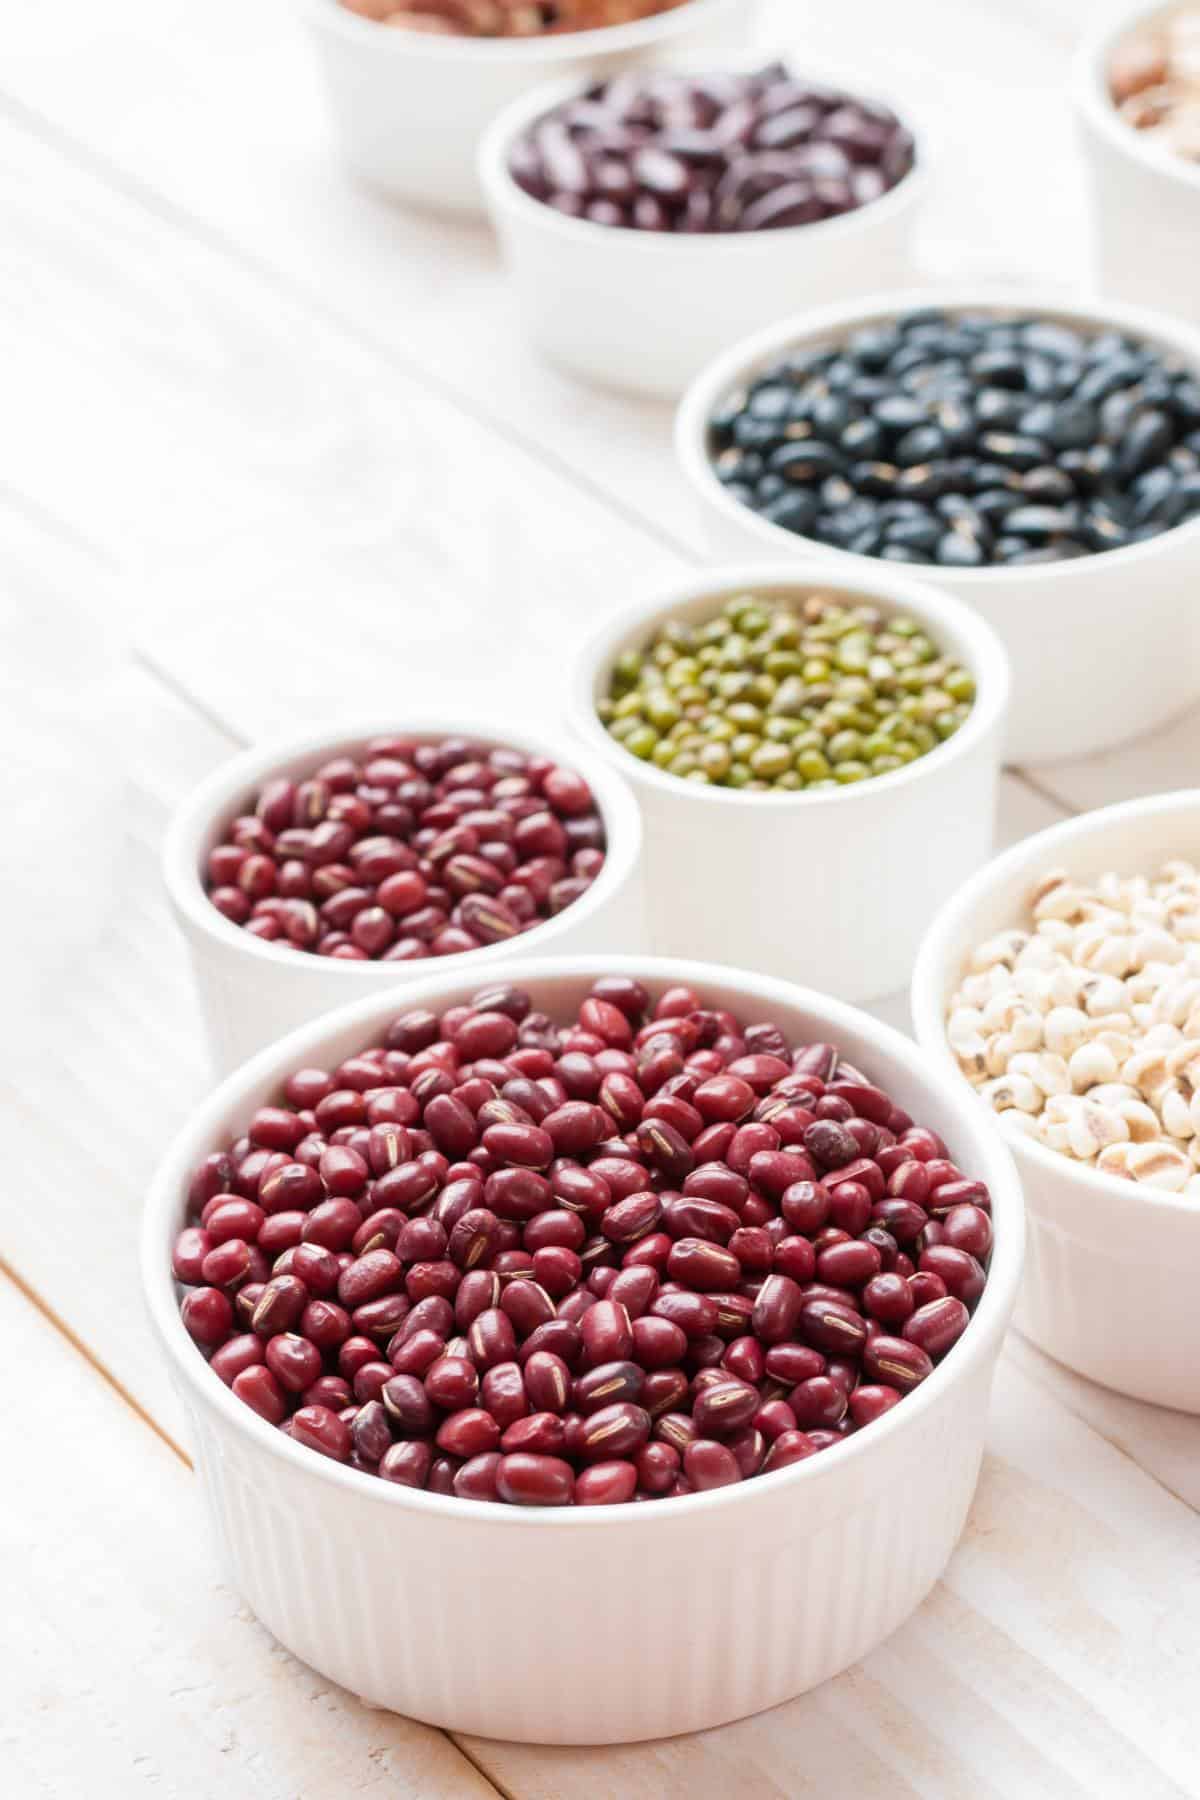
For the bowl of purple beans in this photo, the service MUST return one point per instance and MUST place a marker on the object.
(620, 204)
(312, 870)
(555, 1346)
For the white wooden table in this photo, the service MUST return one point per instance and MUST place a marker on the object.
(284, 442)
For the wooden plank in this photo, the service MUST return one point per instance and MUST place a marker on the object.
(102, 1054)
(1166, 1444)
(130, 1667)
(1164, 760)
(135, 85)
(1025, 1676)
(305, 532)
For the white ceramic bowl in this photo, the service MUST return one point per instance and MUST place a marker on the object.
(645, 310)
(1103, 648)
(834, 887)
(252, 991)
(607, 1624)
(1108, 1285)
(408, 108)
(1145, 199)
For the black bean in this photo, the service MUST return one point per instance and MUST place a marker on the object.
(808, 461)
(960, 549)
(995, 504)
(916, 533)
(1147, 439)
(796, 511)
(1046, 483)
(1040, 522)
(1102, 529)
(926, 443)
(903, 553)
(1011, 450)
(1157, 496)
(995, 407)
(863, 439)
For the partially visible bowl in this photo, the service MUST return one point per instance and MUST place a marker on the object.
(1145, 199)
(645, 310)
(408, 108)
(1107, 1288)
(595, 1624)
(1103, 648)
(834, 887)
(252, 991)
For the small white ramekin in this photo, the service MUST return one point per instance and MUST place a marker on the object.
(251, 991)
(1145, 200)
(1103, 648)
(645, 310)
(1108, 1288)
(834, 887)
(408, 108)
(606, 1624)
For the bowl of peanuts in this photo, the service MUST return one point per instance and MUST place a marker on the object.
(1137, 102)
(1063, 983)
(411, 84)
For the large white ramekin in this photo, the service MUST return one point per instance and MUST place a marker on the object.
(1145, 200)
(834, 887)
(1103, 648)
(408, 108)
(645, 310)
(609, 1624)
(1108, 1288)
(252, 991)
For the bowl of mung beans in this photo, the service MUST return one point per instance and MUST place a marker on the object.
(1062, 983)
(815, 760)
(410, 88)
(1040, 461)
(1136, 91)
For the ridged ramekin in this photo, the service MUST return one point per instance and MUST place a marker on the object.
(252, 991)
(408, 107)
(1103, 648)
(1145, 200)
(605, 1624)
(834, 887)
(1107, 1288)
(645, 310)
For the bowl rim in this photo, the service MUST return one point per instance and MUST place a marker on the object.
(162, 1217)
(932, 975)
(986, 658)
(734, 366)
(505, 195)
(1094, 103)
(431, 46)
(216, 796)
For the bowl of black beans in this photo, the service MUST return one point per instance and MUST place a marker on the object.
(622, 204)
(1039, 460)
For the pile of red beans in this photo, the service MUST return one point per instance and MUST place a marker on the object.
(409, 849)
(642, 1254)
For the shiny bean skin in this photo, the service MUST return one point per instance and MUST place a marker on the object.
(935, 1327)
(708, 1464)
(897, 1363)
(526, 1480)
